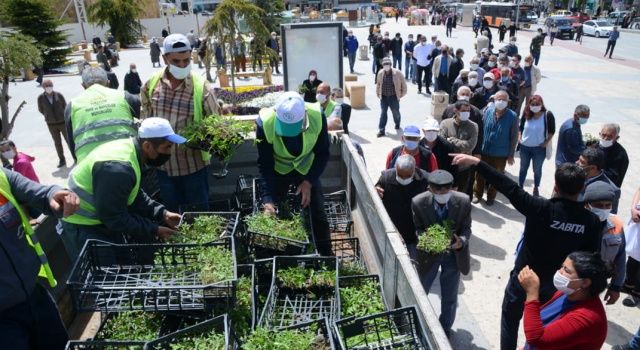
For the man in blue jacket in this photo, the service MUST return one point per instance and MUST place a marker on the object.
(351, 44)
(570, 144)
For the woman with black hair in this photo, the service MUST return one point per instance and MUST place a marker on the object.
(574, 318)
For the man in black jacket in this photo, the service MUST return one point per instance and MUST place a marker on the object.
(397, 186)
(553, 228)
(616, 160)
(132, 82)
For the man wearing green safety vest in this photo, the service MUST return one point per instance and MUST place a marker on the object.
(181, 97)
(99, 114)
(328, 108)
(29, 318)
(113, 207)
(293, 149)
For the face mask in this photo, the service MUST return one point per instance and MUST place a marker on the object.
(312, 77)
(527, 64)
(492, 63)
(583, 121)
(463, 98)
(512, 65)
(387, 68)
(473, 66)
(411, 145)
(180, 73)
(159, 160)
(487, 84)
(464, 116)
(500, 105)
(535, 109)
(273, 36)
(561, 282)
(404, 182)
(10, 154)
(423, 43)
(602, 214)
(606, 143)
(473, 82)
(431, 135)
(339, 101)
(321, 98)
(442, 198)
(48, 90)
(133, 70)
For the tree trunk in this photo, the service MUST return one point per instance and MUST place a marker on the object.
(207, 58)
(4, 108)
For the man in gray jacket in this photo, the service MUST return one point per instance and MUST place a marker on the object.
(52, 104)
(438, 206)
(462, 132)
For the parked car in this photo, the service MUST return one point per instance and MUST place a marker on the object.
(599, 28)
(564, 25)
(580, 17)
(615, 17)
(532, 16)
(561, 13)
(205, 13)
(635, 23)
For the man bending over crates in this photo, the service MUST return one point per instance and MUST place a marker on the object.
(29, 318)
(113, 207)
(293, 149)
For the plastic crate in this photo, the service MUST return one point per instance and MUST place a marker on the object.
(232, 219)
(219, 205)
(321, 327)
(358, 282)
(151, 277)
(244, 193)
(218, 325)
(288, 306)
(262, 246)
(105, 345)
(338, 210)
(346, 249)
(395, 329)
(291, 198)
(249, 272)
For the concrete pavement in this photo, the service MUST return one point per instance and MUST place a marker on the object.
(571, 75)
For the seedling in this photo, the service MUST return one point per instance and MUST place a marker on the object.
(218, 135)
(132, 325)
(270, 225)
(204, 229)
(437, 238)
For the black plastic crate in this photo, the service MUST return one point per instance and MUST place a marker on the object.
(230, 227)
(338, 210)
(217, 325)
(320, 327)
(105, 345)
(359, 282)
(345, 249)
(262, 246)
(291, 199)
(237, 314)
(244, 193)
(151, 277)
(395, 329)
(287, 306)
(218, 205)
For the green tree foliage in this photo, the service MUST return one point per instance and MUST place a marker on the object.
(36, 19)
(120, 15)
(17, 52)
(272, 10)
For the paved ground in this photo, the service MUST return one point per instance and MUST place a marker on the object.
(572, 74)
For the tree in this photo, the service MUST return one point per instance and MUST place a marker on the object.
(121, 16)
(36, 19)
(273, 10)
(223, 25)
(17, 52)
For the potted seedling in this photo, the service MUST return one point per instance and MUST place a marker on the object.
(272, 233)
(435, 241)
(360, 296)
(203, 229)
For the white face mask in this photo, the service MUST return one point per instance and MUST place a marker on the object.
(463, 98)
(606, 143)
(10, 154)
(442, 198)
(500, 104)
(473, 82)
(180, 73)
(48, 90)
(487, 84)
(431, 135)
(603, 214)
(535, 109)
(512, 64)
(387, 68)
(464, 116)
(339, 100)
(321, 98)
(491, 63)
(411, 145)
(473, 66)
(561, 282)
(312, 77)
(133, 70)
(404, 182)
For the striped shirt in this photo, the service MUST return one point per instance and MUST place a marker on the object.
(176, 105)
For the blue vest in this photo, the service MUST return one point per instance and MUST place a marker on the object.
(497, 139)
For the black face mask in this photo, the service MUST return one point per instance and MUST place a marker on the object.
(159, 160)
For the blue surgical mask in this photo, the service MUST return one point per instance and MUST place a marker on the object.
(583, 121)
(411, 145)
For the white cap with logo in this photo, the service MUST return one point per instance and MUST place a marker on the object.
(152, 128)
(290, 112)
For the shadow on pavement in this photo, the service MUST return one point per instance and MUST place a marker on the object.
(616, 334)
(463, 339)
(480, 247)
(487, 217)
(359, 139)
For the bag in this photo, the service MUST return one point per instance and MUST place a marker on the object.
(549, 148)
(631, 235)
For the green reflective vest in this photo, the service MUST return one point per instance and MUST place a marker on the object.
(284, 161)
(99, 115)
(328, 110)
(32, 239)
(198, 98)
(81, 178)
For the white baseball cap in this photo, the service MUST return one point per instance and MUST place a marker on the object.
(431, 125)
(151, 128)
(290, 114)
(175, 43)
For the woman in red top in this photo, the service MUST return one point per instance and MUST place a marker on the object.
(574, 318)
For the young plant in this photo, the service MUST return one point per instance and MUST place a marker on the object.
(218, 135)
(215, 264)
(437, 238)
(205, 341)
(303, 278)
(263, 339)
(589, 139)
(204, 229)
(241, 314)
(351, 268)
(270, 225)
(131, 325)
(361, 299)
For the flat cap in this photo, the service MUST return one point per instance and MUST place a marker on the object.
(599, 191)
(386, 60)
(440, 177)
